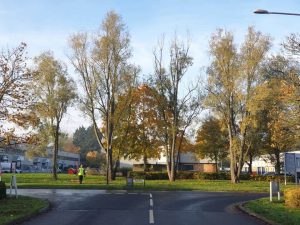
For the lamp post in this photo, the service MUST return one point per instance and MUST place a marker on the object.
(262, 11)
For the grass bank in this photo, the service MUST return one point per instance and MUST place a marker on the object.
(275, 211)
(13, 209)
(45, 180)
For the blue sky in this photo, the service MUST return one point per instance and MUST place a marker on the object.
(46, 25)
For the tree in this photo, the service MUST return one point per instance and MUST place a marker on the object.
(70, 147)
(85, 139)
(105, 72)
(232, 78)
(15, 94)
(292, 78)
(54, 92)
(95, 159)
(137, 137)
(177, 110)
(276, 97)
(212, 141)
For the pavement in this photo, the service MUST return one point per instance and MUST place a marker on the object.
(89, 207)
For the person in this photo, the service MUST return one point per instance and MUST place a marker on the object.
(81, 173)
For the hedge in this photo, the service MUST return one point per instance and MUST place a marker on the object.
(205, 176)
(292, 197)
(2, 190)
(279, 178)
(184, 175)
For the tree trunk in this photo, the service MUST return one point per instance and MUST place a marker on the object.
(55, 152)
(172, 158)
(216, 163)
(250, 163)
(116, 166)
(277, 161)
(177, 162)
(145, 162)
(233, 167)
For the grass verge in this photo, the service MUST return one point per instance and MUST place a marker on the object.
(13, 209)
(39, 180)
(275, 211)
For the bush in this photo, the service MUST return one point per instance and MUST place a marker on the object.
(2, 190)
(184, 175)
(92, 171)
(204, 176)
(136, 174)
(124, 171)
(292, 197)
(148, 175)
(211, 176)
(278, 178)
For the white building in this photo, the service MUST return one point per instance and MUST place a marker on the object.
(263, 164)
(17, 154)
(187, 162)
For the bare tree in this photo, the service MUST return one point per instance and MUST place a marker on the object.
(176, 109)
(105, 72)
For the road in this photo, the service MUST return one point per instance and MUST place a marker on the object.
(89, 207)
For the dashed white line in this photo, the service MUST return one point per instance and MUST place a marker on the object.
(151, 202)
(151, 217)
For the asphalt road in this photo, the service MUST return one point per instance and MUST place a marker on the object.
(89, 207)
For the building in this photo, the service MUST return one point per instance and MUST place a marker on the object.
(262, 164)
(17, 154)
(187, 162)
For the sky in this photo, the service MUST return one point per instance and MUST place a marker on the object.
(47, 25)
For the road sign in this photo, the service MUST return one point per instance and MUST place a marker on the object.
(13, 185)
(274, 188)
(129, 181)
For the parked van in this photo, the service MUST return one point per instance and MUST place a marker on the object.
(5, 167)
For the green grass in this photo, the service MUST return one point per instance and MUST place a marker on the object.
(275, 211)
(98, 182)
(13, 209)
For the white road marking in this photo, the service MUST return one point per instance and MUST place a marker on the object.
(151, 202)
(151, 217)
(150, 195)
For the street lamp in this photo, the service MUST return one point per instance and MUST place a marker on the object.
(263, 11)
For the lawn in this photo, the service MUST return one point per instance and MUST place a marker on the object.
(275, 211)
(13, 209)
(39, 180)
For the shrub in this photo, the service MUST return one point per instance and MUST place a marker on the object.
(185, 175)
(2, 190)
(92, 171)
(148, 175)
(156, 176)
(245, 176)
(278, 178)
(136, 174)
(212, 176)
(124, 171)
(292, 197)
